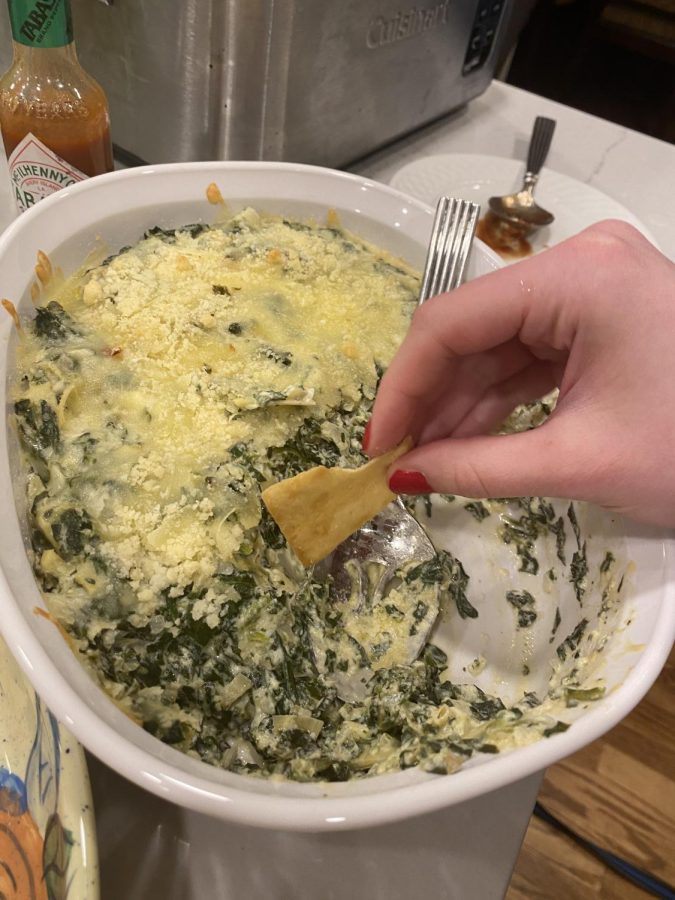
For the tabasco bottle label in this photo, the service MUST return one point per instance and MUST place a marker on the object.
(41, 23)
(36, 171)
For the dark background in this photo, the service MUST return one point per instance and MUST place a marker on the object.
(612, 58)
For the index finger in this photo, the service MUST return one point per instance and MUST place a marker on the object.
(524, 300)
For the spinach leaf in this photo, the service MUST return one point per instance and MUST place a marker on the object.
(531, 699)
(297, 226)
(269, 530)
(72, 530)
(478, 510)
(536, 520)
(448, 572)
(486, 707)
(241, 452)
(572, 516)
(109, 259)
(434, 657)
(168, 235)
(558, 728)
(572, 641)
(38, 426)
(556, 624)
(308, 447)
(243, 583)
(52, 324)
(522, 533)
(523, 601)
(578, 572)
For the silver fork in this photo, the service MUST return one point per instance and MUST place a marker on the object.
(394, 538)
(448, 254)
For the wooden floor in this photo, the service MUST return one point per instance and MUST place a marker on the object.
(619, 792)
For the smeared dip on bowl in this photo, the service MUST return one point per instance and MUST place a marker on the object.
(156, 394)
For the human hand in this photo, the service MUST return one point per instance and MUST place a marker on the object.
(595, 316)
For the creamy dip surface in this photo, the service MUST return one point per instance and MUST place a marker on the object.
(157, 393)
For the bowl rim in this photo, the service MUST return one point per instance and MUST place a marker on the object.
(87, 185)
(327, 813)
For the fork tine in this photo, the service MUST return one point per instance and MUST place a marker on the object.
(465, 249)
(451, 237)
(462, 244)
(446, 251)
(453, 248)
(446, 237)
(435, 246)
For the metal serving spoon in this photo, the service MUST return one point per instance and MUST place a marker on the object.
(520, 209)
(394, 538)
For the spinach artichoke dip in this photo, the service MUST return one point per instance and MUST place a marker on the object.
(157, 394)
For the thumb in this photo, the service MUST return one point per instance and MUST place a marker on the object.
(547, 461)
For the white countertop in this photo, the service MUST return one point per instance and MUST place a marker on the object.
(466, 852)
(636, 170)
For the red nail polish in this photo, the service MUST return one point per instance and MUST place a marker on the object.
(405, 482)
(366, 438)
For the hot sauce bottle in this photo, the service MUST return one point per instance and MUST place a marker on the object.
(53, 116)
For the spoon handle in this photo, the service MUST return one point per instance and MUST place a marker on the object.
(540, 142)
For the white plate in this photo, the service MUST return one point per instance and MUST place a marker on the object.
(469, 176)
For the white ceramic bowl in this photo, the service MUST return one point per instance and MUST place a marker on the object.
(118, 207)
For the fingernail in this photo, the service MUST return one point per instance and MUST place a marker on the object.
(366, 438)
(404, 482)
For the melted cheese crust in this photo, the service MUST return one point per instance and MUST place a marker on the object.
(215, 341)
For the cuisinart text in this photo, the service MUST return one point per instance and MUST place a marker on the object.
(403, 25)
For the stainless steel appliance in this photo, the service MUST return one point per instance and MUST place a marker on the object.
(320, 81)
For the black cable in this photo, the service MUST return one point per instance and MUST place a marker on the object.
(639, 877)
